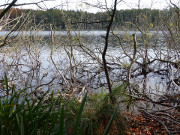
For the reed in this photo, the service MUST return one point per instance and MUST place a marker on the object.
(24, 115)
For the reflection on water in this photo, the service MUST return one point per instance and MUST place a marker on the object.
(53, 65)
(87, 33)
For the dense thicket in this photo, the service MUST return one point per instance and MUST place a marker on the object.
(84, 20)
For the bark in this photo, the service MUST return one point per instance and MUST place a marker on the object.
(7, 9)
(105, 50)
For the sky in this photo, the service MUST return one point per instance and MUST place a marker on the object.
(82, 4)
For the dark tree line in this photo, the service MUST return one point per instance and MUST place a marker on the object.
(85, 20)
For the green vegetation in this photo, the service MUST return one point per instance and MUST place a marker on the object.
(83, 20)
(25, 115)
(37, 109)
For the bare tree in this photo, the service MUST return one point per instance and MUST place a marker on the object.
(105, 49)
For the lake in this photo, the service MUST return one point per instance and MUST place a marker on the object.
(69, 61)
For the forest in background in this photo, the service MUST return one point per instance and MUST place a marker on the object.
(59, 97)
(124, 19)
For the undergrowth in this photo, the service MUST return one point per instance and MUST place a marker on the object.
(20, 114)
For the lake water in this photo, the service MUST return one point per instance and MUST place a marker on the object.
(86, 33)
(73, 61)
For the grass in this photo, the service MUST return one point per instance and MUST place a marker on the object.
(24, 115)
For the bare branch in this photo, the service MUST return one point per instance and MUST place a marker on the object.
(24, 4)
(6, 9)
(105, 49)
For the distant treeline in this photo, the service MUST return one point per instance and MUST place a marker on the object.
(124, 19)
